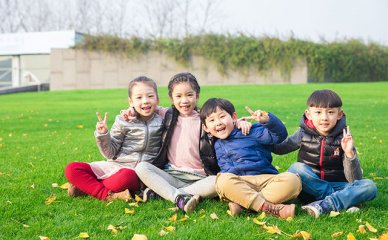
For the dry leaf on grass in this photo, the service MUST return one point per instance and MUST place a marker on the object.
(336, 234)
(44, 238)
(162, 233)
(138, 199)
(139, 237)
(370, 228)
(50, 200)
(173, 218)
(272, 229)
(65, 186)
(333, 214)
(214, 216)
(361, 229)
(302, 234)
(135, 204)
(84, 235)
(170, 228)
(54, 185)
(129, 211)
(255, 220)
(350, 236)
(383, 236)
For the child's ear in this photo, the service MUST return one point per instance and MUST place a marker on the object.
(307, 113)
(130, 102)
(234, 116)
(205, 128)
(340, 114)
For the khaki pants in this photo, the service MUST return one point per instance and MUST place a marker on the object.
(252, 191)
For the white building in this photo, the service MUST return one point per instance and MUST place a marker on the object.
(25, 57)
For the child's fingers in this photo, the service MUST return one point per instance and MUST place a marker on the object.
(106, 117)
(99, 116)
(249, 110)
(249, 118)
(348, 130)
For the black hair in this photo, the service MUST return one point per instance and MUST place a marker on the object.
(325, 99)
(183, 77)
(211, 105)
(142, 79)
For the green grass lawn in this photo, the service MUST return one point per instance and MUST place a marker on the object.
(42, 132)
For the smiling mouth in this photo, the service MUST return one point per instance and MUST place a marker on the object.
(220, 129)
(147, 108)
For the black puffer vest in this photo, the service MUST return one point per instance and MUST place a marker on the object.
(323, 153)
(206, 149)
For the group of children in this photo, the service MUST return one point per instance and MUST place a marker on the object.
(182, 154)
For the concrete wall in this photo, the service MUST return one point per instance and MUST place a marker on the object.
(79, 69)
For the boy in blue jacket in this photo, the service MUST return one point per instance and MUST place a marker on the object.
(327, 161)
(248, 179)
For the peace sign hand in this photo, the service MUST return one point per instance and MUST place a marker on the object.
(258, 116)
(347, 143)
(101, 125)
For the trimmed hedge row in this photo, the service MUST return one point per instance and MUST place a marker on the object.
(347, 61)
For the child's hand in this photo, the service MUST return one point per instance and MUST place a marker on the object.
(101, 125)
(258, 116)
(128, 114)
(243, 125)
(347, 143)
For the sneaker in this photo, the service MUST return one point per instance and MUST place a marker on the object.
(317, 208)
(186, 202)
(353, 209)
(73, 191)
(124, 195)
(234, 208)
(279, 210)
(149, 194)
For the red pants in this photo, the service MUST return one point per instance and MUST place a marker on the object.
(80, 174)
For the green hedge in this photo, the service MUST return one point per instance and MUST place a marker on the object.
(347, 61)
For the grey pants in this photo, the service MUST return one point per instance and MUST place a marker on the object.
(169, 187)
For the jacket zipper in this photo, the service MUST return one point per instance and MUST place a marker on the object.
(145, 143)
(321, 154)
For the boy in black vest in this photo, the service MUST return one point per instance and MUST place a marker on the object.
(327, 161)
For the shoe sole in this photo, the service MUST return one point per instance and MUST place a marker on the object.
(191, 204)
(311, 211)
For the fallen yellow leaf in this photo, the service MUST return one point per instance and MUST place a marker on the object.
(138, 199)
(337, 234)
(255, 220)
(44, 238)
(170, 228)
(50, 200)
(370, 228)
(80, 126)
(173, 218)
(228, 212)
(334, 214)
(289, 219)
(302, 234)
(135, 204)
(54, 185)
(214, 216)
(139, 237)
(261, 216)
(162, 233)
(350, 236)
(272, 229)
(33, 186)
(383, 236)
(361, 229)
(84, 235)
(65, 186)
(183, 219)
(129, 211)
(174, 209)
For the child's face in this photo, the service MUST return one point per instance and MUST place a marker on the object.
(144, 99)
(324, 119)
(184, 98)
(220, 123)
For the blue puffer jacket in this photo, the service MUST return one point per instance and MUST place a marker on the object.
(251, 154)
